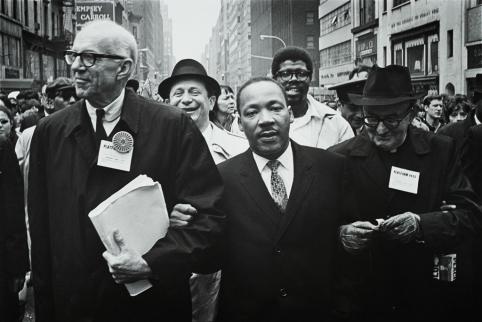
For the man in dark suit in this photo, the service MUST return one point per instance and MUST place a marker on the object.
(415, 209)
(69, 177)
(283, 203)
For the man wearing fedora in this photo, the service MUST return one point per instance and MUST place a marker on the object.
(414, 208)
(193, 91)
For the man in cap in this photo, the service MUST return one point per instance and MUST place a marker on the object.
(414, 208)
(62, 92)
(75, 279)
(193, 91)
(315, 124)
(351, 112)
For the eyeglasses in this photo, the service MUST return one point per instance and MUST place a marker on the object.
(390, 122)
(286, 75)
(87, 59)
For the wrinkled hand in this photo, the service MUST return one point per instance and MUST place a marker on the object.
(181, 215)
(17, 284)
(356, 236)
(128, 266)
(403, 228)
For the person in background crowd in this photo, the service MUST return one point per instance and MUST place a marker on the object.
(419, 116)
(284, 204)
(12, 97)
(134, 84)
(192, 90)
(434, 107)
(413, 205)
(13, 236)
(315, 124)
(74, 278)
(223, 113)
(7, 125)
(350, 112)
(62, 93)
(456, 109)
(31, 112)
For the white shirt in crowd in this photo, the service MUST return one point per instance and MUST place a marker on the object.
(112, 113)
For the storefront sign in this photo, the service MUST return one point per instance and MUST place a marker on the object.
(89, 11)
(415, 20)
(12, 72)
(474, 56)
(366, 46)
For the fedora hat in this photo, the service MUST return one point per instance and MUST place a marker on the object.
(354, 86)
(386, 86)
(188, 68)
(59, 84)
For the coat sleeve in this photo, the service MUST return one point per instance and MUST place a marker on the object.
(443, 231)
(40, 228)
(13, 214)
(190, 248)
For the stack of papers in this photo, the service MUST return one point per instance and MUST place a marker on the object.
(138, 211)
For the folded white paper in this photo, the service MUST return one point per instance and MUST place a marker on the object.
(138, 211)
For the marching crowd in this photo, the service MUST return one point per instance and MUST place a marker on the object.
(282, 208)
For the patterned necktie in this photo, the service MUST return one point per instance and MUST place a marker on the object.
(100, 133)
(277, 186)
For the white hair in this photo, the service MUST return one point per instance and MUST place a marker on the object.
(112, 36)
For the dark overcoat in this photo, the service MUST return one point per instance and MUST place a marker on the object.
(392, 279)
(280, 267)
(71, 278)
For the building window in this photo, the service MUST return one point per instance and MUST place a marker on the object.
(384, 5)
(433, 54)
(15, 10)
(398, 51)
(25, 12)
(367, 11)
(310, 42)
(450, 43)
(310, 18)
(52, 18)
(416, 56)
(336, 19)
(3, 4)
(336, 55)
(46, 19)
(384, 55)
(10, 51)
(399, 2)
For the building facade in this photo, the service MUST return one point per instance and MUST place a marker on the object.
(473, 44)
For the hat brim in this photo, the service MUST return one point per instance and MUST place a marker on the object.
(361, 100)
(346, 83)
(165, 86)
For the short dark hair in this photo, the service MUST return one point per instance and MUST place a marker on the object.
(429, 98)
(223, 88)
(291, 53)
(255, 80)
(455, 103)
(12, 135)
(133, 83)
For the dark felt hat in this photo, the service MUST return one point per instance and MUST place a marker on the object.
(478, 88)
(188, 68)
(352, 86)
(59, 84)
(386, 86)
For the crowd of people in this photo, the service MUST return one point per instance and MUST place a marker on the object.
(282, 208)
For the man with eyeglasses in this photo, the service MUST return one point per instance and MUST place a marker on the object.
(315, 124)
(74, 278)
(414, 210)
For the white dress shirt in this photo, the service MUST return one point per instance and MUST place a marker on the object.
(112, 113)
(286, 169)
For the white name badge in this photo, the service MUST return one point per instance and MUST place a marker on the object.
(110, 158)
(404, 180)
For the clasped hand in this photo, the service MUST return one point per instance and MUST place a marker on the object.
(128, 265)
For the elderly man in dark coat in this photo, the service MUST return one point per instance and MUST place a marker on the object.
(415, 209)
(68, 178)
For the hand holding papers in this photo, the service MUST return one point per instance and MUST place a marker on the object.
(139, 215)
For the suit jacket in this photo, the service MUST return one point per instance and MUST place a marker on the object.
(71, 279)
(398, 277)
(279, 267)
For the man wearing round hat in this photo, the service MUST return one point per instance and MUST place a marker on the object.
(192, 90)
(414, 208)
(62, 92)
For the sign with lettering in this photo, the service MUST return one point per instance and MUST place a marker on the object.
(12, 72)
(93, 10)
(366, 46)
(419, 18)
(474, 56)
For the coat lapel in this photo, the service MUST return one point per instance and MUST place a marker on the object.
(253, 184)
(302, 180)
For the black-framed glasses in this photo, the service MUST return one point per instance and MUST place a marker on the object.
(286, 75)
(390, 122)
(87, 59)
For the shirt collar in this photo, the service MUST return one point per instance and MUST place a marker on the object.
(320, 112)
(112, 111)
(286, 159)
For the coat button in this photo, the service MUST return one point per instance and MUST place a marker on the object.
(283, 292)
(277, 251)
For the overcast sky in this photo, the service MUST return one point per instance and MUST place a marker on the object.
(192, 23)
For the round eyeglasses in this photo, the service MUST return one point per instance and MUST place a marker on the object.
(390, 122)
(87, 59)
(286, 75)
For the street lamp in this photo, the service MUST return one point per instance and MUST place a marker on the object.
(262, 37)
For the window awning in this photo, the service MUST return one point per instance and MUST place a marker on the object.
(414, 43)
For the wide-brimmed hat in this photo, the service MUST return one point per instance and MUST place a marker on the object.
(188, 68)
(478, 88)
(354, 85)
(59, 84)
(386, 86)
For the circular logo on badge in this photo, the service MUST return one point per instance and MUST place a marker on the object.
(123, 141)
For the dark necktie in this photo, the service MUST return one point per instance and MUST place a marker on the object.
(100, 133)
(280, 196)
